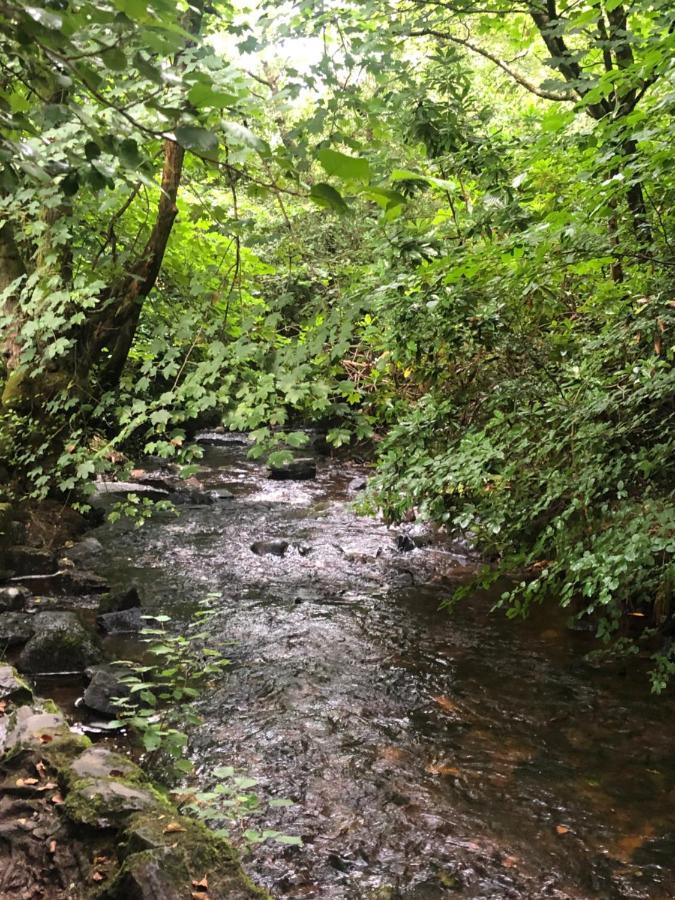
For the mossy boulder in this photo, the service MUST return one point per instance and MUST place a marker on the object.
(29, 561)
(109, 802)
(41, 727)
(164, 854)
(60, 644)
(13, 688)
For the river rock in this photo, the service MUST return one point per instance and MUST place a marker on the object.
(269, 548)
(222, 494)
(106, 683)
(60, 644)
(120, 622)
(63, 582)
(300, 469)
(404, 543)
(155, 875)
(359, 483)
(97, 762)
(107, 803)
(34, 726)
(84, 550)
(14, 598)
(120, 601)
(12, 685)
(16, 628)
(29, 561)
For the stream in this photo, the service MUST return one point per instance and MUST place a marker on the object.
(428, 754)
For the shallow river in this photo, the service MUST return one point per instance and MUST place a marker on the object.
(429, 755)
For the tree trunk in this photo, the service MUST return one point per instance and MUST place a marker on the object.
(11, 268)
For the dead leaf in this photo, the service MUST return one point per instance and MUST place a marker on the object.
(52, 847)
(57, 799)
(446, 704)
(41, 769)
(442, 769)
(172, 828)
(46, 738)
(509, 862)
(22, 782)
(562, 829)
(199, 895)
(201, 886)
(97, 876)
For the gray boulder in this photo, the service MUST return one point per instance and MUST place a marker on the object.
(120, 622)
(302, 468)
(16, 628)
(105, 684)
(60, 644)
(269, 548)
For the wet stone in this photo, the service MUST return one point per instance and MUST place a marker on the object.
(64, 582)
(104, 685)
(120, 601)
(29, 561)
(33, 727)
(269, 548)
(16, 628)
(300, 469)
(60, 644)
(13, 599)
(97, 762)
(12, 685)
(106, 803)
(121, 622)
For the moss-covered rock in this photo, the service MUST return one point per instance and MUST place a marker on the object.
(13, 688)
(60, 644)
(109, 802)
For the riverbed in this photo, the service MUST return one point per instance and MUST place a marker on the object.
(428, 754)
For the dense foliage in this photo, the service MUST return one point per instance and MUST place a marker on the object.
(443, 227)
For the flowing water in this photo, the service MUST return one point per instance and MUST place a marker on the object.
(429, 755)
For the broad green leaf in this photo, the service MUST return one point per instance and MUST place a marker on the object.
(326, 195)
(192, 137)
(348, 168)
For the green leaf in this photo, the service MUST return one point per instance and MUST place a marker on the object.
(128, 154)
(349, 168)
(44, 17)
(325, 195)
(192, 137)
(203, 95)
(236, 133)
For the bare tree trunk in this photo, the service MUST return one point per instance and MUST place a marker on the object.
(116, 325)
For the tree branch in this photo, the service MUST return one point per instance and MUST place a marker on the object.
(518, 77)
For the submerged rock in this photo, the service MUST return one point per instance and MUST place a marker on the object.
(300, 469)
(60, 644)
(105, 684)
(269, 548)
